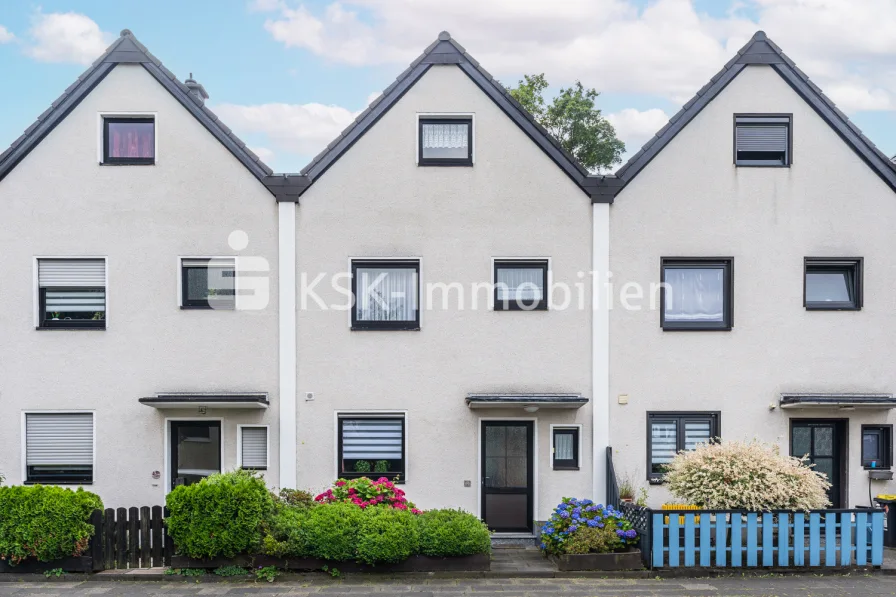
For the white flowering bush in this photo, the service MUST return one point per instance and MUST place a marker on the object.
(746, 476)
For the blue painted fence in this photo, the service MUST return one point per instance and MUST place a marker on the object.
(781, 539)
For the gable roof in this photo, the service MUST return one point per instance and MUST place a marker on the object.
(446, 50)
(127, 50)
(759, 50)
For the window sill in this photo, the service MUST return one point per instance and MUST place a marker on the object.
(70, 328)
(127, 163)
(516, 308)
(762, 165)
(458, 164)
(811, 307)
(876, 468)
(566, 468)
(696, 329)
(205, 308)
(356, 328)
(656, 481)
(51, 482)
(253, 468)
(375, 476)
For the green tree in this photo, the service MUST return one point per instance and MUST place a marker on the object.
(573, 120)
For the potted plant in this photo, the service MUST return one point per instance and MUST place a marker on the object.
(362, 466)
(626, 489)
(582, 535)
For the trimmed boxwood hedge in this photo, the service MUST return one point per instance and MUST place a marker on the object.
(222, 515)
(452, 533)
(46, 523)
(386, 536)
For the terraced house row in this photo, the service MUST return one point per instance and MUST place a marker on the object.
(430, 298)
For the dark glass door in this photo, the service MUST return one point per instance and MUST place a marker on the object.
(823, 442)
(507, 475)
(195, 451)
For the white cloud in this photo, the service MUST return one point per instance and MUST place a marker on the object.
(301, 128)
(6, 35)
(667, 48)
(67, 37)
(635, 127)
(264, 153)
(853, 97)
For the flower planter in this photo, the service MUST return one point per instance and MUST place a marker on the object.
(31, 566)
(475, 563)
(622, 560)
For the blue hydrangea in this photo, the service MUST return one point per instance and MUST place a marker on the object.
(592, 523)
(564, 515)
(577, 511)
(573, 528)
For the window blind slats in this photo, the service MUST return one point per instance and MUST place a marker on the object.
(71, 273)
(218, 262)
(664, 437)
(59, 439)
(696, 433)
(762, 138)
(255, 447)
(372, 438)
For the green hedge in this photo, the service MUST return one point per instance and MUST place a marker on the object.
(222, 515)
(331, 531)
(452, 533)
(386, 535)
(47, 523)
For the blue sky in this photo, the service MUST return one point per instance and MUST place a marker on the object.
(289, 75)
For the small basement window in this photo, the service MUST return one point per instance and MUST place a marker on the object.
(877, 446)
(72, 293)
(833, 284)
(208, 283)
(445, 142)
(129, 141)
(59, 448)
(521, 285)
(371, 447)
(566, 448)
(762, 140)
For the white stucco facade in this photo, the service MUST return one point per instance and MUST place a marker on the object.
(692, 201)
(375, 202)
(60, 202)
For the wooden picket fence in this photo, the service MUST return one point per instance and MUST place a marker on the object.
(130, 538)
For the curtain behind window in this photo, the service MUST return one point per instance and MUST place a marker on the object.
(694, 294)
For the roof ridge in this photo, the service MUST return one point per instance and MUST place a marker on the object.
(127, 49)
(760, 50)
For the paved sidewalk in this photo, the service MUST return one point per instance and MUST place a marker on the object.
(319, 585)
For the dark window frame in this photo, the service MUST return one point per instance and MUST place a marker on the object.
(83, 477)
(402, 325)
(885, 441)
(788, 158)
(565, 465)
(681, 417)
(68, 324)
(514, 305)
(120, 161)
(467, 161)
(400, 475)
(187, 303)
(853, 267)
(726, 263)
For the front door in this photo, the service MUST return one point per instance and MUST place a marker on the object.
(195, 451)
(823, 441)
(507, 475)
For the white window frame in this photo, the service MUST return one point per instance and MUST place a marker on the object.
(371, 414)
(239, 444)
(550, 276)
(35, 275)
(551, 447)
(166, 468)
(24, 440)
(424, 115)
(236, 278)
(100, 119)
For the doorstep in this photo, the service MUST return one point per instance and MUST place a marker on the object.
(514, 540)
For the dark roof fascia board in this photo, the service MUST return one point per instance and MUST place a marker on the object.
(446, 51)
(857, 399)
(527, 398)
(233, 144)
(365, 121)
(61, 108)
(758, 51)
(838, 121)
(205, 398)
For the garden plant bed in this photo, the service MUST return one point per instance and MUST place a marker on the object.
(416, 563)
(29, 566)
(621, 560)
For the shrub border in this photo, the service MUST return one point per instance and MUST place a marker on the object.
(416, 563)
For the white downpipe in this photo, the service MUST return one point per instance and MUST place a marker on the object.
(287, 318)
(600, 346)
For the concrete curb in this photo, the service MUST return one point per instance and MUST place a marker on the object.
(158, 575)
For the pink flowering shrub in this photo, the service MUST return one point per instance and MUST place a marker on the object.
(365, 493)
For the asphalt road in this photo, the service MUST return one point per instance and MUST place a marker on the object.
(788, 586)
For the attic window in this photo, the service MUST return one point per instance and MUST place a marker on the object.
(445, 141)
(129, 141)
(762, 140)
